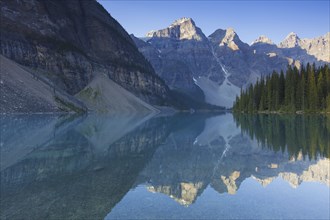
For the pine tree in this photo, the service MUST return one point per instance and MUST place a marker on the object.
(328, 103)
(281, 89)
(321, 95)
(307, 89)
(312, 92)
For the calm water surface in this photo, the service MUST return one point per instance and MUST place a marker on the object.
(184, 166)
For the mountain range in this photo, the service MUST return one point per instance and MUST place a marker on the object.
(73, 56)
(221, 63)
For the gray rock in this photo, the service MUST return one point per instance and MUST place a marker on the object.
(307, 50)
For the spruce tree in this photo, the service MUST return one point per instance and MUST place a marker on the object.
(320, 94)
(312, 92)
(307, 89)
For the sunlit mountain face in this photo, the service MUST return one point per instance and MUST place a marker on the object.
(180, 166)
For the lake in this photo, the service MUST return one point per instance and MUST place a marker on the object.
(185, 166)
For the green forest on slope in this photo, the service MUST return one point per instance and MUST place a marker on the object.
(304, 90)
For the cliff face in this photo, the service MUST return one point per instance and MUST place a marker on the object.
(68, 41)
(181, 29)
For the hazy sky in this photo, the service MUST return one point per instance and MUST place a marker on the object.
(250, 19)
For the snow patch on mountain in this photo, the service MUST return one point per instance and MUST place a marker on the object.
(215, 94)
(220, 95)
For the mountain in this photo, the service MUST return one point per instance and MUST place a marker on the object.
(71, 43)
(227, 38)
(181, 29)
(221, 63)
(179, 54)
(318, 47)
(263, 39)
(296, 50)
(292, 40)
(306, 50)
(240, 64)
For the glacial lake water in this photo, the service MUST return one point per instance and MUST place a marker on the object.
(185, 166)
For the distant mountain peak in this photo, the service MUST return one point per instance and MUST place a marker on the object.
(181, 21)
(227, 38)
(290, 41)
(217, 36)
(231, 35)
(181, 29)
(263, 39)
(230, 30)
(292, 34)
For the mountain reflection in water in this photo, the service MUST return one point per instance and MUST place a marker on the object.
(67, 167)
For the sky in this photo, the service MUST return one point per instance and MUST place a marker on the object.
(250, 19)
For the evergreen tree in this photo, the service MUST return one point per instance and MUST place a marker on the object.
(307, 89)
(281, 88)
(328, 103)
(312, 92)
(320, 93)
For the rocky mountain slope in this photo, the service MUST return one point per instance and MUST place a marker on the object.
(105, 95)
(23, 92)
(221, 64)
(69, 42)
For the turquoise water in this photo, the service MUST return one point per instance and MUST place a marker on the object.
(198, 166)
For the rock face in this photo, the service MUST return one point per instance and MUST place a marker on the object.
(316, 49)
(181, 29)
(297, 51)
(228, 38)
(242, 66)
(263, 39)
(221, 63)
(68, 41)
